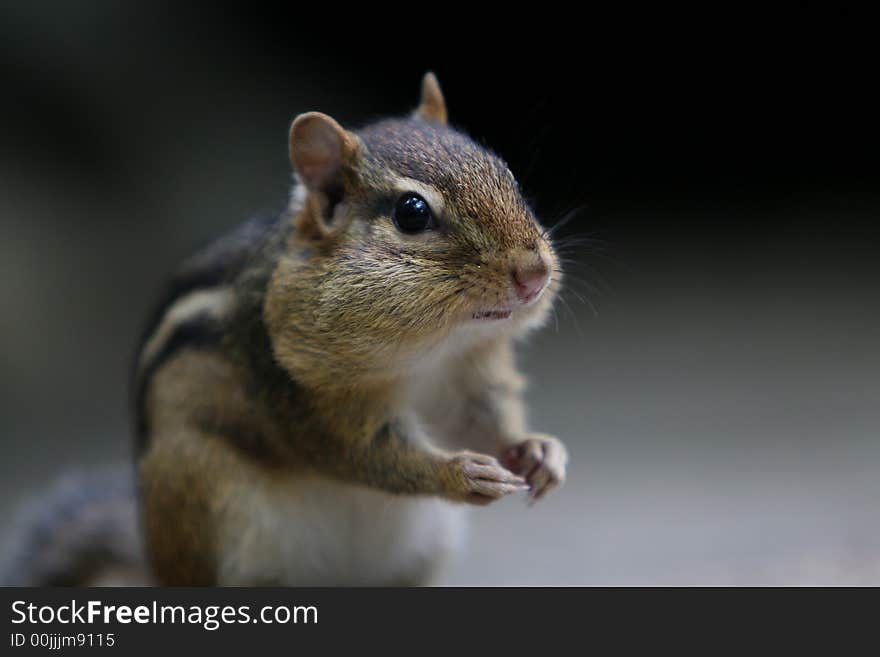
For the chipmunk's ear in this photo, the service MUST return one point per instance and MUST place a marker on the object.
(432, 107)
(319, 150)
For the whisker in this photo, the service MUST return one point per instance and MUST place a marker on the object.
(565, 219)
(584, 300)
(590, 253)
(573, 315)
(589, 277)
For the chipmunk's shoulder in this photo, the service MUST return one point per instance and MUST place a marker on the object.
(199, 299)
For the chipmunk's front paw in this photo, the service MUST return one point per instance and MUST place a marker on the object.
(541, 459)
(481, 479)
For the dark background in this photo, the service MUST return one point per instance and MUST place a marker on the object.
(714, 366)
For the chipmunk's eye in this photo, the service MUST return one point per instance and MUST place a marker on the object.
(412, 214)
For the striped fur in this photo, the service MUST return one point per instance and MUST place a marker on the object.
(317, 394)
(309, 389)
(198, 304)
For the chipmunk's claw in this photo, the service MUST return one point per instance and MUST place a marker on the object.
(485, 479)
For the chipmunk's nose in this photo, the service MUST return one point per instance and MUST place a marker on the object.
(530, 276)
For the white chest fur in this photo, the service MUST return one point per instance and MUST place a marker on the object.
(316, 531)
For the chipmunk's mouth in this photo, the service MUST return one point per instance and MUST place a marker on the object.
(492, 314)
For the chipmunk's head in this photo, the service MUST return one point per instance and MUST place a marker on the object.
(416, 236)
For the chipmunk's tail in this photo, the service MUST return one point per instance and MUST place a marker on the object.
(83, 532)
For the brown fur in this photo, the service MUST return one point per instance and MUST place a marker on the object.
(338, 317)
(331, 314)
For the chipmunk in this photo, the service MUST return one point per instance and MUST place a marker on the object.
(320, 394)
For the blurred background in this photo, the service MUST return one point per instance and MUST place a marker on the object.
(715, 366)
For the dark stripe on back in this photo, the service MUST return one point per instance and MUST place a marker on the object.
(200, 332)
(220, 263)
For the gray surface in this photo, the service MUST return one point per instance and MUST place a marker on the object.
(713, 449)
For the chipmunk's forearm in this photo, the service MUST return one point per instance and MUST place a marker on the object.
(397, 459)
(388, 459)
